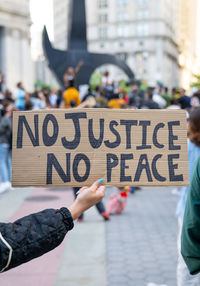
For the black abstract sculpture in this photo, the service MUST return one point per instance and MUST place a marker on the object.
(59, 60)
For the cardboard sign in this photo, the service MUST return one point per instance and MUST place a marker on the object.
(75, 147)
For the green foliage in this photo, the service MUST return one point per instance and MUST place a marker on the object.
(196, 83)
(143, 86)
(39, 85)
(123, 85)
(95, 80)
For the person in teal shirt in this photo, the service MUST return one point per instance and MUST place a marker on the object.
(190, 237)
(20, 96)
(183, 276)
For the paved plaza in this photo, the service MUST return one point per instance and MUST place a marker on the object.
(136, 248)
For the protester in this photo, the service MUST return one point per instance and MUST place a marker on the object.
(89, 93)
(173, 105)
(71, 94)
(5, 148)
(71, 73)
(36, 234)
(106, 80)
(28, 105)
(197, 93)
(97, 91)
(116, 102)
(148, 102)
(195, 102)
(90, 102)
(167, 96)
(183, 276)
(53, 98)
(38, 100)
(134, 96)
(45, 96)
(184, 100)
(158, 98)
(101, 100)
(59, 98)
(9, 96)
(176, 93)
(2, 83)
(20, 96)
(190, 245)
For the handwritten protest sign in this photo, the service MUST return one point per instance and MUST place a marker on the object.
(75, 147)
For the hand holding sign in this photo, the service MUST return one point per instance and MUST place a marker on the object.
(88, 196)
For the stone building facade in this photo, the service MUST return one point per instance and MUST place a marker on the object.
(142, 32)
(15, 55)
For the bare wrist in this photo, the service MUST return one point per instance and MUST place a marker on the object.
(75, 211)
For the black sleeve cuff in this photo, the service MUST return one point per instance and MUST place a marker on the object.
(67, 218)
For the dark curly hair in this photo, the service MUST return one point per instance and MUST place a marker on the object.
(194, 126)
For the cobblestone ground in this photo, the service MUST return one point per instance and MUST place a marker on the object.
(141, 242)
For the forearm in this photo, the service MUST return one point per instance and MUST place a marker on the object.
(33, 236)
(36, 234)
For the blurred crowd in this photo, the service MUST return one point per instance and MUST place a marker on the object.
(107, 94)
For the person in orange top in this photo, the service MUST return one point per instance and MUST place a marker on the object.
(71, 96)
(116, 102)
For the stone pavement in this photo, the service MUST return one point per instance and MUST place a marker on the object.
(141, 243)
(135, 248)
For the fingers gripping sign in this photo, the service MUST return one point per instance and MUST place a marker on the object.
(87, 197)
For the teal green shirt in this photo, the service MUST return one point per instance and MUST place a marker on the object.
(190, 238)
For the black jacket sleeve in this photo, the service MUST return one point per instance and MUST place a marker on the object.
(32, 236)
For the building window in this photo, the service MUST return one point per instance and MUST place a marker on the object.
(122, 56)
(142, 14)
(145, 56)
(103, 3)
(103, 32)
(142, 2)
(123, 30)
(140, 70)
(103, 18)
(122, 3)
(142, 30)
(122, 16)
(139, 57)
